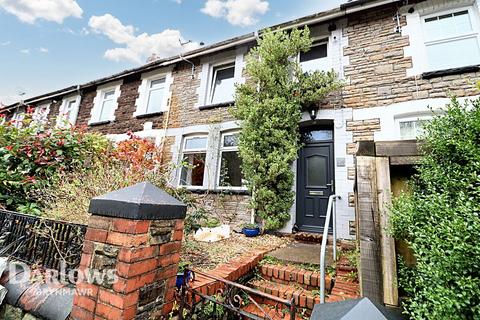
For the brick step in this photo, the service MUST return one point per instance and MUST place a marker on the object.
(274, 312)
(309, 280)
(302, 298)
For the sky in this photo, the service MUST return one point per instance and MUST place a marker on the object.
(46, 45)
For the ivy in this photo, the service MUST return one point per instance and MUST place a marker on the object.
(269, 106)
(440, 219)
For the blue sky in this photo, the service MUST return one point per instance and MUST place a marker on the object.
(50, 44)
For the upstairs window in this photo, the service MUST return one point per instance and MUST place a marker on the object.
(156, 92)
(18, 117)
(40, 115)
(315, 59)
(222, 88)
(194, 157)
(451, 39)
(230, 173)
(107, 105)
(68, 111)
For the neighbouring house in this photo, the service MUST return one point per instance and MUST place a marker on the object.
(399, 59)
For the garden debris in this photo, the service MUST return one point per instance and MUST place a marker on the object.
(213, 234)
(206, 256)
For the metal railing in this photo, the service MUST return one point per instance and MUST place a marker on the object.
(49, 243)
(331, 215)
(227, 302)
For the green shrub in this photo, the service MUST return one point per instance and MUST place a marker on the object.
(270, 107)
(440, 219)
(32, 159)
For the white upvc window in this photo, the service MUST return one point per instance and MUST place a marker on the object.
(153, 93)
(451, 39)
(68, 111)
(105, 103)
(18, 117)
(229, 170)
(194, 154)
(411, 128)
(222, 85)
(40, 114)
(316, 59)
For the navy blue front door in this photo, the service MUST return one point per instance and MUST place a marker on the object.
(315, 178)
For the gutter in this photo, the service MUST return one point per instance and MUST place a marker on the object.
(343, 10)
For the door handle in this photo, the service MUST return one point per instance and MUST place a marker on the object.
(330, 185)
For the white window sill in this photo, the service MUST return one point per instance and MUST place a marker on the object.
(99, 123)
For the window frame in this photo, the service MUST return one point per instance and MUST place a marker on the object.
(72, 117)
(149, 92)
(427, 42)
(420, 117)
(317, 42)
(39, 118)
(185, 151)
(219, 162)
(214, 71)
(144, 90)
(96, 112)
(18, 117)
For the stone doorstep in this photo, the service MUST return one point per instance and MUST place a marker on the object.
(309, 280)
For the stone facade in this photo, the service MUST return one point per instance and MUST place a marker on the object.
(377, 74)
(230, 209)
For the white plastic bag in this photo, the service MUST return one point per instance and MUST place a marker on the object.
(212, 234)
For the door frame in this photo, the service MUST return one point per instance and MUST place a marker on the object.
(331, 143)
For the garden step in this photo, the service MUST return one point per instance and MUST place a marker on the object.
(275, 313)
(301, 297)
(282, 274)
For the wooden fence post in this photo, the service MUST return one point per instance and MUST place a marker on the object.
(370, 272)
(389, 265)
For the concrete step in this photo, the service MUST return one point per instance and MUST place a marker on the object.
(309, 280)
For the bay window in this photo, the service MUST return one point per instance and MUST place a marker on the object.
(230, 173)
(193, 165)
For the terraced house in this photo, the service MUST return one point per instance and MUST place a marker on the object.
(398, 59)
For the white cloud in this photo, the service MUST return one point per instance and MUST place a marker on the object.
(51, 10)
(43, 50)
(6, 43)
(25, 51)
(237, 12)
(137, 48)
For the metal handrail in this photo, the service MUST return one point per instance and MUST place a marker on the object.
(323, 249)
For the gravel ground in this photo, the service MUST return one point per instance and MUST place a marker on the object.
(206, 256)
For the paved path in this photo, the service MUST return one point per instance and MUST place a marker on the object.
(298, 252)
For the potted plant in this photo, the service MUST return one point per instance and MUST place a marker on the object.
(181, 273)
(251, 230)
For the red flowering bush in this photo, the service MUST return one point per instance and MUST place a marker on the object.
(32, 158)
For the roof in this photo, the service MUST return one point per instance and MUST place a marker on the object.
(344, 9)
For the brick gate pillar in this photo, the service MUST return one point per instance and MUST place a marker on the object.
(133, 235)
